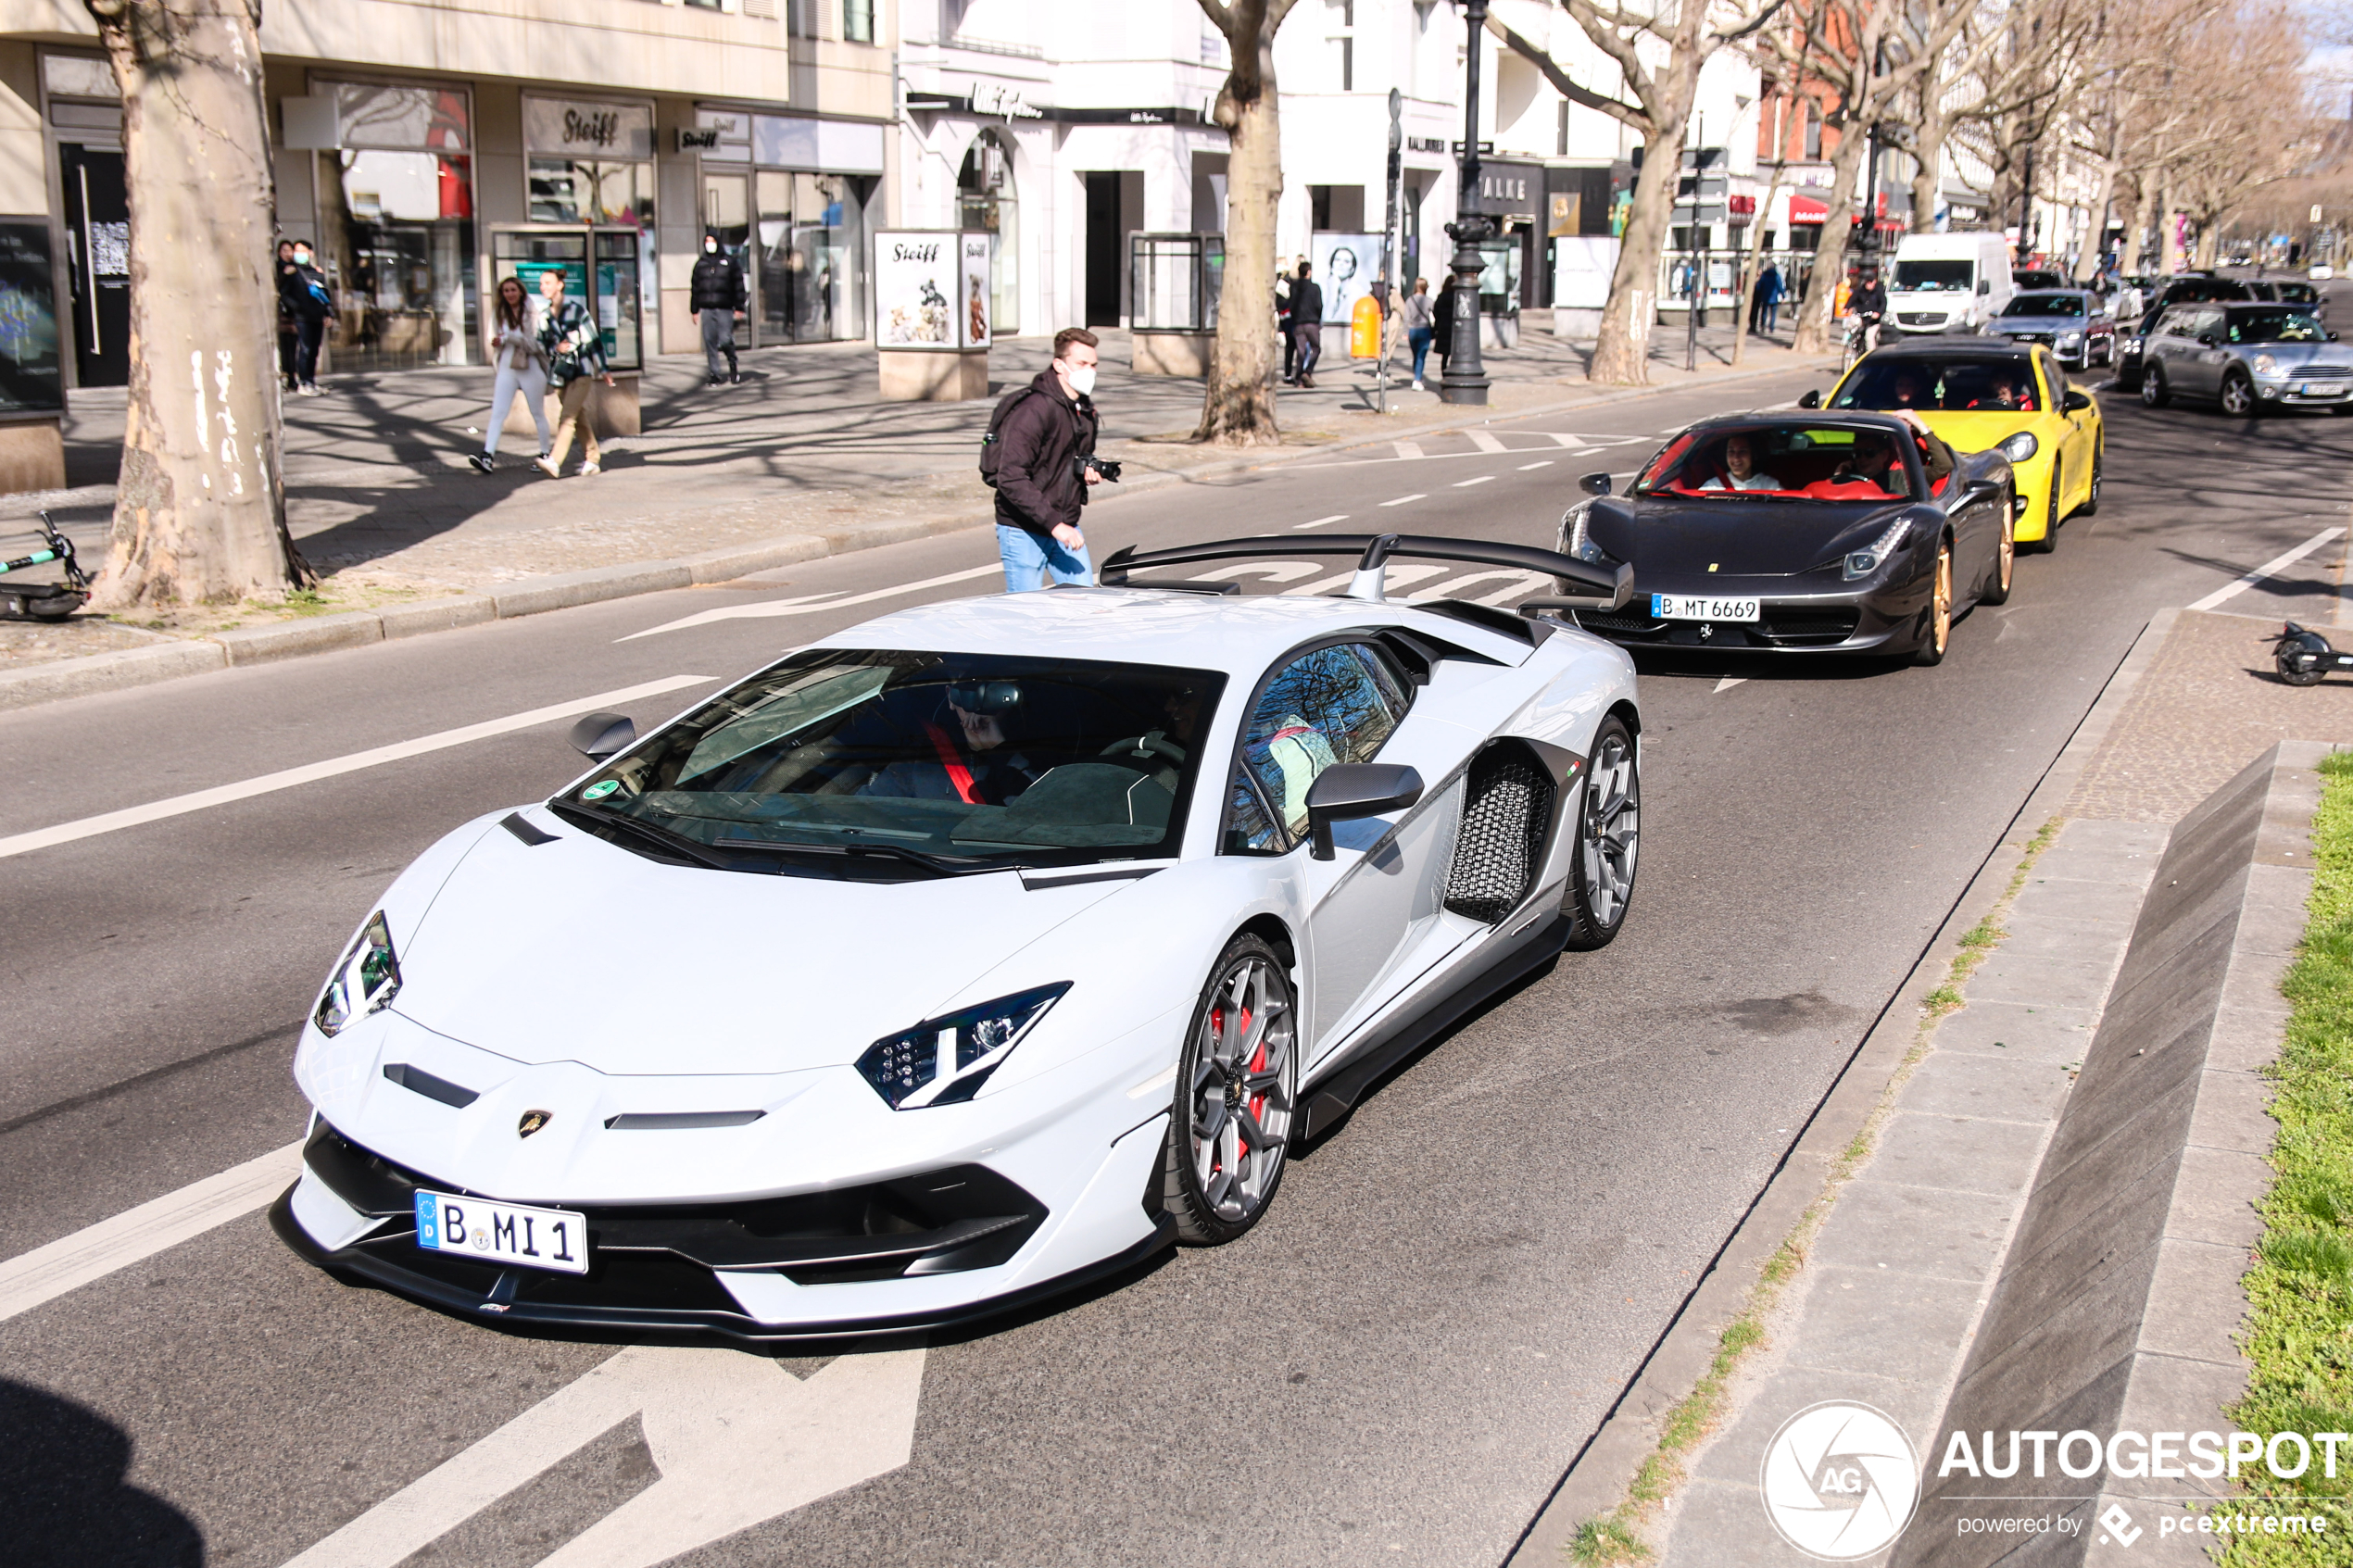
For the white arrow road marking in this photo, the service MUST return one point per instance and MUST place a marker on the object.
(1728, 681)
(46, 1273)
(2276, 564)
(220, 795)
(1516, 585)
(1273, 570)
(1392, 578)
(739, 1441)
(807, 604)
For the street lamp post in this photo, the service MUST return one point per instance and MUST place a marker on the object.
(1466, 378)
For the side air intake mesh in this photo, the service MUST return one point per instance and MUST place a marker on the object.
(1506, 801)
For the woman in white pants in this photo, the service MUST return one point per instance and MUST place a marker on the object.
(522, 369)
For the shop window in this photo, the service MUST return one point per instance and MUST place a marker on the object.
(811, 239)
(985, 201)
(1813, 130)
(592, 191)
(397, 228)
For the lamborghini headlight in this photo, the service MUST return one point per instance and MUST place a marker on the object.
(2265, 365)
(945, 1061)
(1862, 564)
(365, 982)
(2020, 447)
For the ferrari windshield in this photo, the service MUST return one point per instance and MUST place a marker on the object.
(2286, 324)
(872, 763)
(1930, 277)
(1781, 462)
(1976, 382)
(2044, 304)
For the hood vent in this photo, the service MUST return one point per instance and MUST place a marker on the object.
(416, 1080)
(680, 1121)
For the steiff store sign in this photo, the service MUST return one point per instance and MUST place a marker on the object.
(588, 129)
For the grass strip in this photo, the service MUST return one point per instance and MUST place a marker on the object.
(1615, 1537)
(2299, 1330)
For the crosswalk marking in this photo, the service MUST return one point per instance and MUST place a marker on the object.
(1486, 441)
(1407, 449)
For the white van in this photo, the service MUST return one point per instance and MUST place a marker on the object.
(1948, 283)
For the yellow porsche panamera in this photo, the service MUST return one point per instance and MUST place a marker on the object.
(1986, 393)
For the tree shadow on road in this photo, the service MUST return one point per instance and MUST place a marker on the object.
(62, 1469)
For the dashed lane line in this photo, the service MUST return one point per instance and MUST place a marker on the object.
(809, 604)
(1466, 484)
(1545, 464)
(1336, 517)
(2269, 567)
(1417, 496)
(246, 789)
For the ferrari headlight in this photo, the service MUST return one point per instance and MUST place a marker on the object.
(1862, 564)
(1573, 541)
(2020, 447)
(945, 1061)
(2265, 365)
(365, 982)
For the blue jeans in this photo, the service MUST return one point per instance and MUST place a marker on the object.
(1420, 337)
(1028, 557)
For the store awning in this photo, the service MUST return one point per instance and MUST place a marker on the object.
(1805, 210)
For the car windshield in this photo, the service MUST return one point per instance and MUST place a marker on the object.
(883, 765)
(1977, 383)
(1928, 277)
(2296, 293)
(2288, 323)
(2044, 304)
(1779, 462)
(2197, 291)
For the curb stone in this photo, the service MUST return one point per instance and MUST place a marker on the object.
(1598, 1479)
(94, 673)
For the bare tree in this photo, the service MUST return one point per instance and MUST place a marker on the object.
(200, 508)
(1238, 406)
(1657, 99)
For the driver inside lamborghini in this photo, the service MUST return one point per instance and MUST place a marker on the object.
(974, 757)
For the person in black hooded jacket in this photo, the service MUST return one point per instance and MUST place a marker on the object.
(718, 292)
(1040, 484)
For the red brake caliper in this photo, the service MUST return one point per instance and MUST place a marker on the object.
(1257, 1064)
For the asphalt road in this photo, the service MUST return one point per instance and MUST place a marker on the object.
(1396, 1365)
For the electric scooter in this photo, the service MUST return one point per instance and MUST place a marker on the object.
(45, 601)
(2305, 657)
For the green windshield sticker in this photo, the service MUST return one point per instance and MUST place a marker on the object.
(601, 788)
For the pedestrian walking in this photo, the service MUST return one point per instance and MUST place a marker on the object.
(1306, 324)
(1283, 321)
(303, 293)
(1441, 318)
(718, 292)
(1421, 325)
(575, 352)
(1769, 290)
(522, 370)
(285, 319)
(1042, 441)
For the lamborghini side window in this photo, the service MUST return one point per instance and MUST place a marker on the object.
(1249, 830)
(1321, 709)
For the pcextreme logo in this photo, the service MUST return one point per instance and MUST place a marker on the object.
(1840, 1481)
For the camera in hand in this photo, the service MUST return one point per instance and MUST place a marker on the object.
(1080, 462)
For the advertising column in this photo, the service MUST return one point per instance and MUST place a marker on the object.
(932, 315)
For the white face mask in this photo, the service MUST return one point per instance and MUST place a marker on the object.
(302, 259)
(1082, 381)
(711, 247)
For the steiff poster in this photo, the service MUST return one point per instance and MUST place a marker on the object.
(916, 286)
(972, 299)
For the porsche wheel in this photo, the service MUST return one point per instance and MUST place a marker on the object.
(1610, 824)
(1940, 611)
(2153, 393)
(2092, 496)
(1997, 589)
(1236, 1086)
(2238, 396)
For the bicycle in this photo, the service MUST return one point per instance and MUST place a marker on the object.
(46, 601)
(1862, 336)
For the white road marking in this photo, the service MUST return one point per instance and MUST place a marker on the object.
(1728, 681)
(739, 1441)
(1417, 496)
(1336, 517)
(1516, 585)
(1574, 443)
(220, 795)
(1392, 578)
(806, 605)
(1408, 450)
(1545, 464)
(70, 1262)
(1486, 441)
(1274, 571)
(2276, 564)
(1466, 484)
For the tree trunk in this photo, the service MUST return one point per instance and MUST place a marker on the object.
(1829, 251)
(2209, 234)
(2143, 213)
(1621, 355)
(1237, 405)
(200, 506)
(1926, 157)
(2088, 263)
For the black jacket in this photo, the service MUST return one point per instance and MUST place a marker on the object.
(1306, 303)
(718, 283)
(1038, 485)
(1869, 300)
(303, 291)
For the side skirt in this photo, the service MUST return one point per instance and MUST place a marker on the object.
(1336, 1096)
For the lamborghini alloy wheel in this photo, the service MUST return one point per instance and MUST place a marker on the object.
(1609, 824)
(1237, 1088)
(1940, 611)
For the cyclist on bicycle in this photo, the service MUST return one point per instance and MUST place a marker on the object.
(1868, 304)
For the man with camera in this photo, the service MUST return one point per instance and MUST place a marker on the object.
(1040, 456)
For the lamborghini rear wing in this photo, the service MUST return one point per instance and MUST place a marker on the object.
(1608, 587)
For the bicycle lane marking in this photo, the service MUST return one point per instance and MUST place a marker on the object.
(309, 772)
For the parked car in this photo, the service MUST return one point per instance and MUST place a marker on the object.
(2248, 359)
(2322, 272)
(2068, 321)
(1977, 394)
(1948, 283)
(2181, 290)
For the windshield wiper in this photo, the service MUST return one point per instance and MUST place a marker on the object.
(941, 865)
(676, 847)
